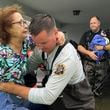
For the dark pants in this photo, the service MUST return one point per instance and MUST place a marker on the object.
(79, 96)
(38, 107)
(75, 97)
(96, 73)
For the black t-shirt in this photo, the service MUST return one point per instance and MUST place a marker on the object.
(87, 38)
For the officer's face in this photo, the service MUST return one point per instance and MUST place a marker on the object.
(46, 41)
(94, 24)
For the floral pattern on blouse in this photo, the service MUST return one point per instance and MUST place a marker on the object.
(12, 65)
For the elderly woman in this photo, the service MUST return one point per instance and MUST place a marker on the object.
(13, 54)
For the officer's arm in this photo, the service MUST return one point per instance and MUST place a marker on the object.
(83, 50)
(107, 47)
(100, 47)
(89, 53)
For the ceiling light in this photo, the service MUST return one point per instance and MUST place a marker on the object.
(76, 12)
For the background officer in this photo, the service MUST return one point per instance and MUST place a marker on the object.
(95, 71)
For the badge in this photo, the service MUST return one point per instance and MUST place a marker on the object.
(60, 69)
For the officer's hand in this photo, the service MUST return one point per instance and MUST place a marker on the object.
(92, 55)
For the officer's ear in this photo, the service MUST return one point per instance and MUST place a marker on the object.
(60, 38)
(55, 32)
(57, 39)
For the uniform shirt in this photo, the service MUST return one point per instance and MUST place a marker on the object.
(67, 69)
(12, 65)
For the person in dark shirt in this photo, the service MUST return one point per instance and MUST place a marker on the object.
(95, 71)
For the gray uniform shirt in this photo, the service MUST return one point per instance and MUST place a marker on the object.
(67, 69)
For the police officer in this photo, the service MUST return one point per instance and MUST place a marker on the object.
(66, 87)
(94, 71)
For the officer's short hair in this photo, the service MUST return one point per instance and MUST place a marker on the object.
(41, 22)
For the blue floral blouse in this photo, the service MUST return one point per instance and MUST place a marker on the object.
(12, 65)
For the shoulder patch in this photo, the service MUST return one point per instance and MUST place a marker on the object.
(60, 69)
